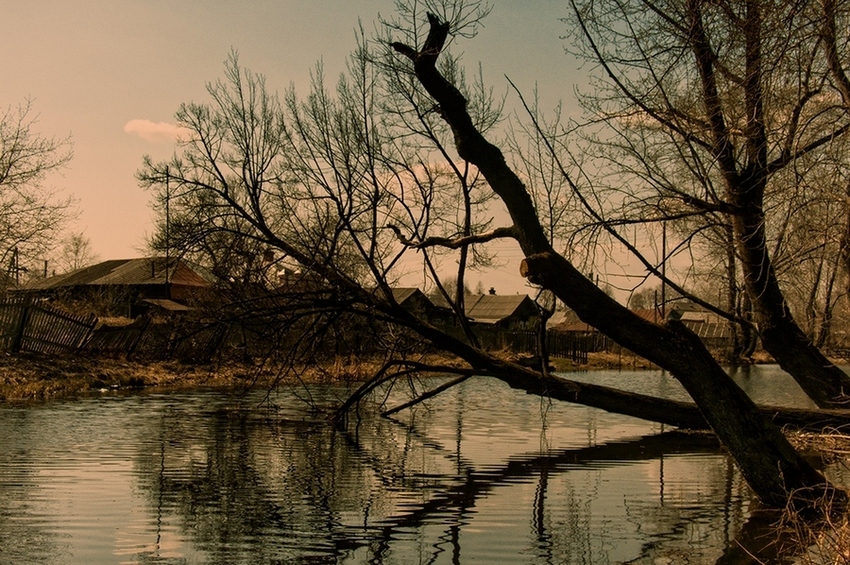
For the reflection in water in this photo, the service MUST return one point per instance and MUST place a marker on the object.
(24, 523)
(482, 474)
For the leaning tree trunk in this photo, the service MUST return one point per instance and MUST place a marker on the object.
(772, 468)
(781, 336)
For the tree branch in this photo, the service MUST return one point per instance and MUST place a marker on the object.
(457, 242)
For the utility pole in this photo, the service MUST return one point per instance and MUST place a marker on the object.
(167, 227)
(663, 270)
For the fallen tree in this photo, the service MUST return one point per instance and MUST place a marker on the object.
(322, 182)
(685, 415)
(772, 468)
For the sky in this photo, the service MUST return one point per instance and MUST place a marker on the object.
(112, 73)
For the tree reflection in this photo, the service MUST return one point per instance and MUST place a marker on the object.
(244, 488)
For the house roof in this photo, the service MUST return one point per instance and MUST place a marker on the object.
(571, 322)
(493, 308)
(402, 294)
(649, 314)
(130, 272)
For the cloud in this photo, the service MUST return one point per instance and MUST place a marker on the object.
(154, 132)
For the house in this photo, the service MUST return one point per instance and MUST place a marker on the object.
(123, 286)
(509, 311)
(413, 300)
(713, 330)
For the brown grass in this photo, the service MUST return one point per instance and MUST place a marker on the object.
(816, 537)
(26, 377)
(821, 536)
(34, 377)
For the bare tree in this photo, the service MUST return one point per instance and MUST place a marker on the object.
(349, 185)
(766, 460)
(31, 212)
(76, 253)
(715, 114)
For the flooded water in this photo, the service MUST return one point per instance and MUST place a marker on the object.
(483, 474)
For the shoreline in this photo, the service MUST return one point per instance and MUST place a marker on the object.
(32, 377)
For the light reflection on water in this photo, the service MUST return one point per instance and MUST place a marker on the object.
(482, 474)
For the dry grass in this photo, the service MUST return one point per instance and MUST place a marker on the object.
(819, 536)
(35, 377)
(824, 540)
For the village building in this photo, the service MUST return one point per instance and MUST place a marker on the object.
(126, 287)
(709, 327)
(508, 311)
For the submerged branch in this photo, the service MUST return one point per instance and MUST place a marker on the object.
(685, 415)
(426, 395)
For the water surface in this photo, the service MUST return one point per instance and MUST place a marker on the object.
(482, 474)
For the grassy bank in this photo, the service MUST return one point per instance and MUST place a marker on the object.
(27, 377)
(36, 377)
(33, 377)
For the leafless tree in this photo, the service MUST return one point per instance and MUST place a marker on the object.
(715, 113)
(31, 212)
(396, 163)
(757, 445)
(76, 253)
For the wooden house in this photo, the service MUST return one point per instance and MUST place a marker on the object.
(509, 311)
(125, 286)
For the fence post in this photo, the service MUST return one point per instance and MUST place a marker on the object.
(141, 333)
(18, 336)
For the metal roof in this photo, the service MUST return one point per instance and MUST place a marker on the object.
(488, 308)
(130, 272)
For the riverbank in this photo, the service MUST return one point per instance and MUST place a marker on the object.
(38, 377)
(26, 377)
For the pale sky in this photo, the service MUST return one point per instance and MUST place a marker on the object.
(112, 73)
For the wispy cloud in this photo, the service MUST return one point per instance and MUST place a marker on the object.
(154, 132)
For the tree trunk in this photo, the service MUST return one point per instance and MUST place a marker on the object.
(781, 336)
(736, 351)
(824, 326)
(825, 383)
(772, 468)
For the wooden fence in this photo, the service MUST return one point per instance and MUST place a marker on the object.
(572, 346)
(34, 327)
(38, 328)
(121, 340)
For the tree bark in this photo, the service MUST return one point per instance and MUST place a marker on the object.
(772, 468)
(685, 415)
